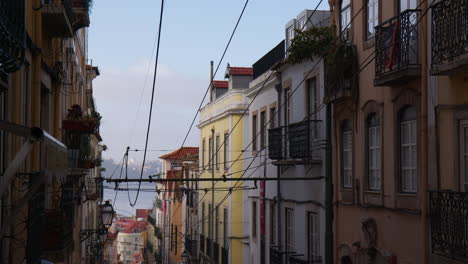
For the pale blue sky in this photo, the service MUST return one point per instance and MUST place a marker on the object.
(121, 38)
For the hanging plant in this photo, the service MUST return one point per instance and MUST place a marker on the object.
(310, 44)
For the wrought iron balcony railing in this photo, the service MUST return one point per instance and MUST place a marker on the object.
(216, 252)
(57, 18)
(81, 13)
(275, 143)
(209, 244)
(202, 243)
(157, 232)
(300, 140)
(449, 224)
(449, 35)
(397, 48)
(275, 256)
(12, 35)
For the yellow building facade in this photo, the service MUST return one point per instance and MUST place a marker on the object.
(44, 71)
(222, 124)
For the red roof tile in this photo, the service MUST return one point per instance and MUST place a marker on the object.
(240, 70)
(221, 84)
(142, 213)
(185, 153)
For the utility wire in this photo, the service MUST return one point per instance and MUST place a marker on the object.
(152, 101)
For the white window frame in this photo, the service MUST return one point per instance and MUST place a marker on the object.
(345, 15)
(301, 22)
(313, 236)
(289, 230)
(290, 34)
(347, 157)
(408, 148)
(374, 156)
(217, 152)
(372, 17)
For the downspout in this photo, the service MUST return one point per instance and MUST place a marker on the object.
(424, 141)
(278, 88)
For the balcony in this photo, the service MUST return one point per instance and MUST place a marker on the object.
(449, 224)
(151, 220)
(297, 260)
(340, 81)
(80, 14)
(397, 49)
(56, 18)
(275, 256)
(297, 143)
(216, 252)
(209, 244)
(449, 37)
(12, 35)
(157, 232)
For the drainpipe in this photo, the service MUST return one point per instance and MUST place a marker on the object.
(212, 198)
(424, 141)
(278, 88)
(328, 189)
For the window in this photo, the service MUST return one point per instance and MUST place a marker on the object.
(2, 134)
(272, 117)
(210, 153)
(407, 4)
(408, 149)
(347, 154)
(217, 152)
(372, 17)
(225, 229)
(210, 221)
(203, 153)
(313, 236)
(175, 240)
(273, 224)
(216, 224)
(312, 104)
(203, 219)
(262, 129)
(373, 152)
(289, 36)
(254, 219)
(289, 229)
(226, 150)
(301, 23)
(345, 15)
(287, 106)
(254, 132)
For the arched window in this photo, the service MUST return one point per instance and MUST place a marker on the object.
(347, 154)
(374, 152)
(408, 149)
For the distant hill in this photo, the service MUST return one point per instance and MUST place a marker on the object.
(113, 169)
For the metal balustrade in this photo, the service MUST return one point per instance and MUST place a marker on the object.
(397, 44)
(449, 31)
(449, 224)
(299, 140)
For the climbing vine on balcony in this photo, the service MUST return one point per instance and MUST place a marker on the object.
(341, 69)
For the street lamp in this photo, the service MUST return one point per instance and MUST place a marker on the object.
(107, 214)
(185, 257)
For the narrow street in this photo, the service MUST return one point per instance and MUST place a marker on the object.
(234, 132)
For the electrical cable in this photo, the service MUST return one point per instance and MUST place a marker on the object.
(152, 101)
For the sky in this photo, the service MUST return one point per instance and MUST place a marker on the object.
(121, 43)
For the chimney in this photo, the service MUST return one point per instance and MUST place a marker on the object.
(211, 81)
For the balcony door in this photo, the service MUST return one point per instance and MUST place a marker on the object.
(409, 30)
(407, 4)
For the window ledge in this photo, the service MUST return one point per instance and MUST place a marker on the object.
(373, 198)
(369, 43)
(347, 195)
(407, 201)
